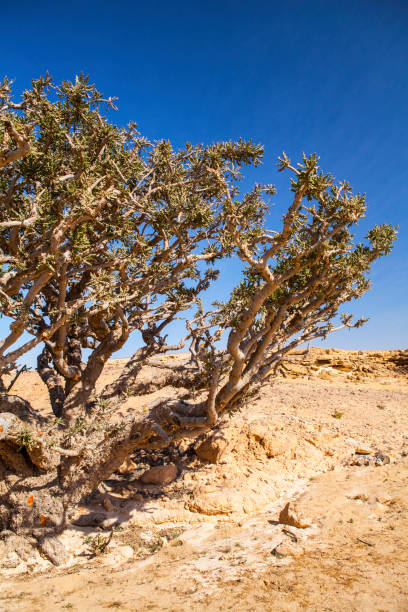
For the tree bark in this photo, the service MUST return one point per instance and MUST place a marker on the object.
(42, 483)
(76, 402)
(53, 381)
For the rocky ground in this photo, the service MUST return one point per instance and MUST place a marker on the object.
(298, 502)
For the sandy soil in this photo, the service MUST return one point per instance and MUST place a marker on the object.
(331, 438)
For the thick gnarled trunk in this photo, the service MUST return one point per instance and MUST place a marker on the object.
(44, 473)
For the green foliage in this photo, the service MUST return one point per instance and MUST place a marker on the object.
(97, 544)
(155, 544)
(108, 224)
(25, 438)
(103, 232)
(315, 250)
(103, 404)
(79, 426)
(295, 279)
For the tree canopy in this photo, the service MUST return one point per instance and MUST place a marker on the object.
(104, 233)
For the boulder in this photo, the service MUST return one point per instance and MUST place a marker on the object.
(160, 475)
(290, 515)
(212, 448)
(108, 505)
(109, 523)
(52, 548)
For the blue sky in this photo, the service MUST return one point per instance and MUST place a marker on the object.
(323, 76)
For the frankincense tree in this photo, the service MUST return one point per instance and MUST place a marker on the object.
(104, 234)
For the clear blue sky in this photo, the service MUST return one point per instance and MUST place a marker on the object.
(323, 76)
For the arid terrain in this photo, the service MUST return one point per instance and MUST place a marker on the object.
(210, 527)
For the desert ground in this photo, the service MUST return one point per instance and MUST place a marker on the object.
(206, 525)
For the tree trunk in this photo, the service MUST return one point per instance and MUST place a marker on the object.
(42, 483)
(76, 402)
(53, 381)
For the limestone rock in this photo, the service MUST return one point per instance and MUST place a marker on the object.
(362, 458)
(212, 448)
(274, 443)
(290, 515)
(11, 561)
(222, 501)
(52, 548)
(109, 523)
(324, 441)
(127, 466)
(343, 365)
(107, 504)
(160, 475)
(325, 375)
